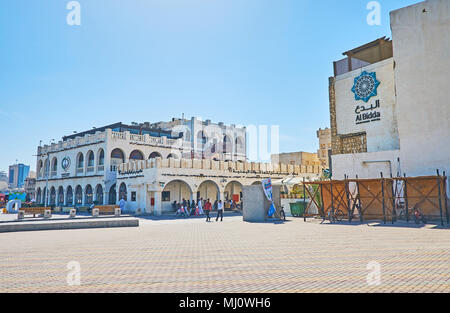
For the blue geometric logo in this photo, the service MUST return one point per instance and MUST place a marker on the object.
(365, 86)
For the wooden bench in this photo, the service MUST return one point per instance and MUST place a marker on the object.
(34, 211)
(106, 209)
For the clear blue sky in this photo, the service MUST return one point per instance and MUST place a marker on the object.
(236, 61)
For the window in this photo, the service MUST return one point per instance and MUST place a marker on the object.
(133, 196)
(166, 196)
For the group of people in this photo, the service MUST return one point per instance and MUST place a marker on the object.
(199, 208)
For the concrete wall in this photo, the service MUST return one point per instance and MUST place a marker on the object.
(256, 204)
(381, 135)
(362, 164)
(422, 56)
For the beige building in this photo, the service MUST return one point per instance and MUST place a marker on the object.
(324, 150)
(296, 158)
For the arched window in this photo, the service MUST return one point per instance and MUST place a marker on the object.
(80, 161)
(136, 155)
(69, 196)
(78, 195)
(54, 165)
(172, 156)
(239, 145)
(123, 191)
(60, 195)
(39, 169)
(89, 195)
(46, 167)
(227, 145)
(101, 157)
(117, 157)
(155, 155)
(112, 194)
(99, 194)
(91, 159)
(201, 139)
(52, 196)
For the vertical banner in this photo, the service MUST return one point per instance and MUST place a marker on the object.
(267, 187)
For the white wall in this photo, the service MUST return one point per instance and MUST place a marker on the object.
(354, 164)
(422, 56)
(381, 135)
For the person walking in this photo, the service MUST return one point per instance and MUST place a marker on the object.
(208, 210)
(193, 207)
(219, 211)
(200, 206)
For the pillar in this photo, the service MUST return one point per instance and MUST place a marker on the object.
(158, 203)
(105, 197)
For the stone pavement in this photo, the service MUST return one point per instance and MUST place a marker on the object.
(190, 255)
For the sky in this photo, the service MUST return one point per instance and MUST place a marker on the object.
(244, 62)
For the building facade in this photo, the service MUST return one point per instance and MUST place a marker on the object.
(324, 151)
(17, 175)
(389, 108)
(296, 158)
(82, 168)
(153, 185)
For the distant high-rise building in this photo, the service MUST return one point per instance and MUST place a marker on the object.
(17, 175)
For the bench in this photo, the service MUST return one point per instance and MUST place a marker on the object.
(34, 211)
(107, 209)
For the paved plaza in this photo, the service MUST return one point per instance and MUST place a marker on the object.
(190, 255)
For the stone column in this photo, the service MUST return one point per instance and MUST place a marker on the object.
(158, 203)
(105, 197)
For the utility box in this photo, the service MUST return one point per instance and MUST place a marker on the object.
(255, 204)
(117, 212)
(21, 215)
(47, 213)
(95, 212)
(72, 213)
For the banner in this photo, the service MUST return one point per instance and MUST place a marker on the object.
(267, 187)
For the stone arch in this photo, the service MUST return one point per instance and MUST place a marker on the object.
(52, 200)
(172, 156)
(78, 195)
(39, 169)
(101, 157)
(117, 156)
(123, 191)
(90, 159)
(256, 183)
(60, 200)
(88, 195)
(46, 167)
(54, 167)
(136, 155)
(175, 190)
(239, 144)
(155, 155)
(208, 189)
(233, 191)
(99, 194)
(16, 204)
(227, 146)
(112, 195)
(69, 196)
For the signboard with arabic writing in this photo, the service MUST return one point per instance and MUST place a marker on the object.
(365, 87)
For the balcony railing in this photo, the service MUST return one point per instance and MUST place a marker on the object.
(90, 169)
(100, 168)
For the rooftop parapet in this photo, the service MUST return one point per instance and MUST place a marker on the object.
(224, 166)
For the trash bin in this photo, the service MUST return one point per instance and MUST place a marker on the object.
(297, 209)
